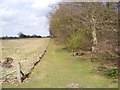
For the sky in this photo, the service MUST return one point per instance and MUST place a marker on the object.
(27, 16)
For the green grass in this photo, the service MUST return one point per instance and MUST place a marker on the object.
(58, 69)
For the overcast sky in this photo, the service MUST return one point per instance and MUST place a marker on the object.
(27, 16)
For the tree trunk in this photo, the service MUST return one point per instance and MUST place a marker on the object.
(94, 35)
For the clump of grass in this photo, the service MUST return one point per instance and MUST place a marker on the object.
(110, 71)
(113, 73)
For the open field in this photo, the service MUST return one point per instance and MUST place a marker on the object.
(23, 50)
(58, 69)
(0, 49)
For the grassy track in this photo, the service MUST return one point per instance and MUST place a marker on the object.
(57, 70)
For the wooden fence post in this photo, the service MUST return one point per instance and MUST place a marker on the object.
(18, 72)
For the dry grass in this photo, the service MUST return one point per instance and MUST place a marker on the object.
(0, 49)
(23, 50)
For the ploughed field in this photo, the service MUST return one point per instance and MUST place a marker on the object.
(24, 51)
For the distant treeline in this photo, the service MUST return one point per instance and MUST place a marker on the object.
(9, 37)
(21, 35)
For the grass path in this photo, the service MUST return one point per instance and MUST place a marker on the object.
(57, 70)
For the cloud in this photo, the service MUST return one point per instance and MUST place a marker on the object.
(27, 16)
(42, 4)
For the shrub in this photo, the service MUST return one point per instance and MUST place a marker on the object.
(113, 73)
(80, 40)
